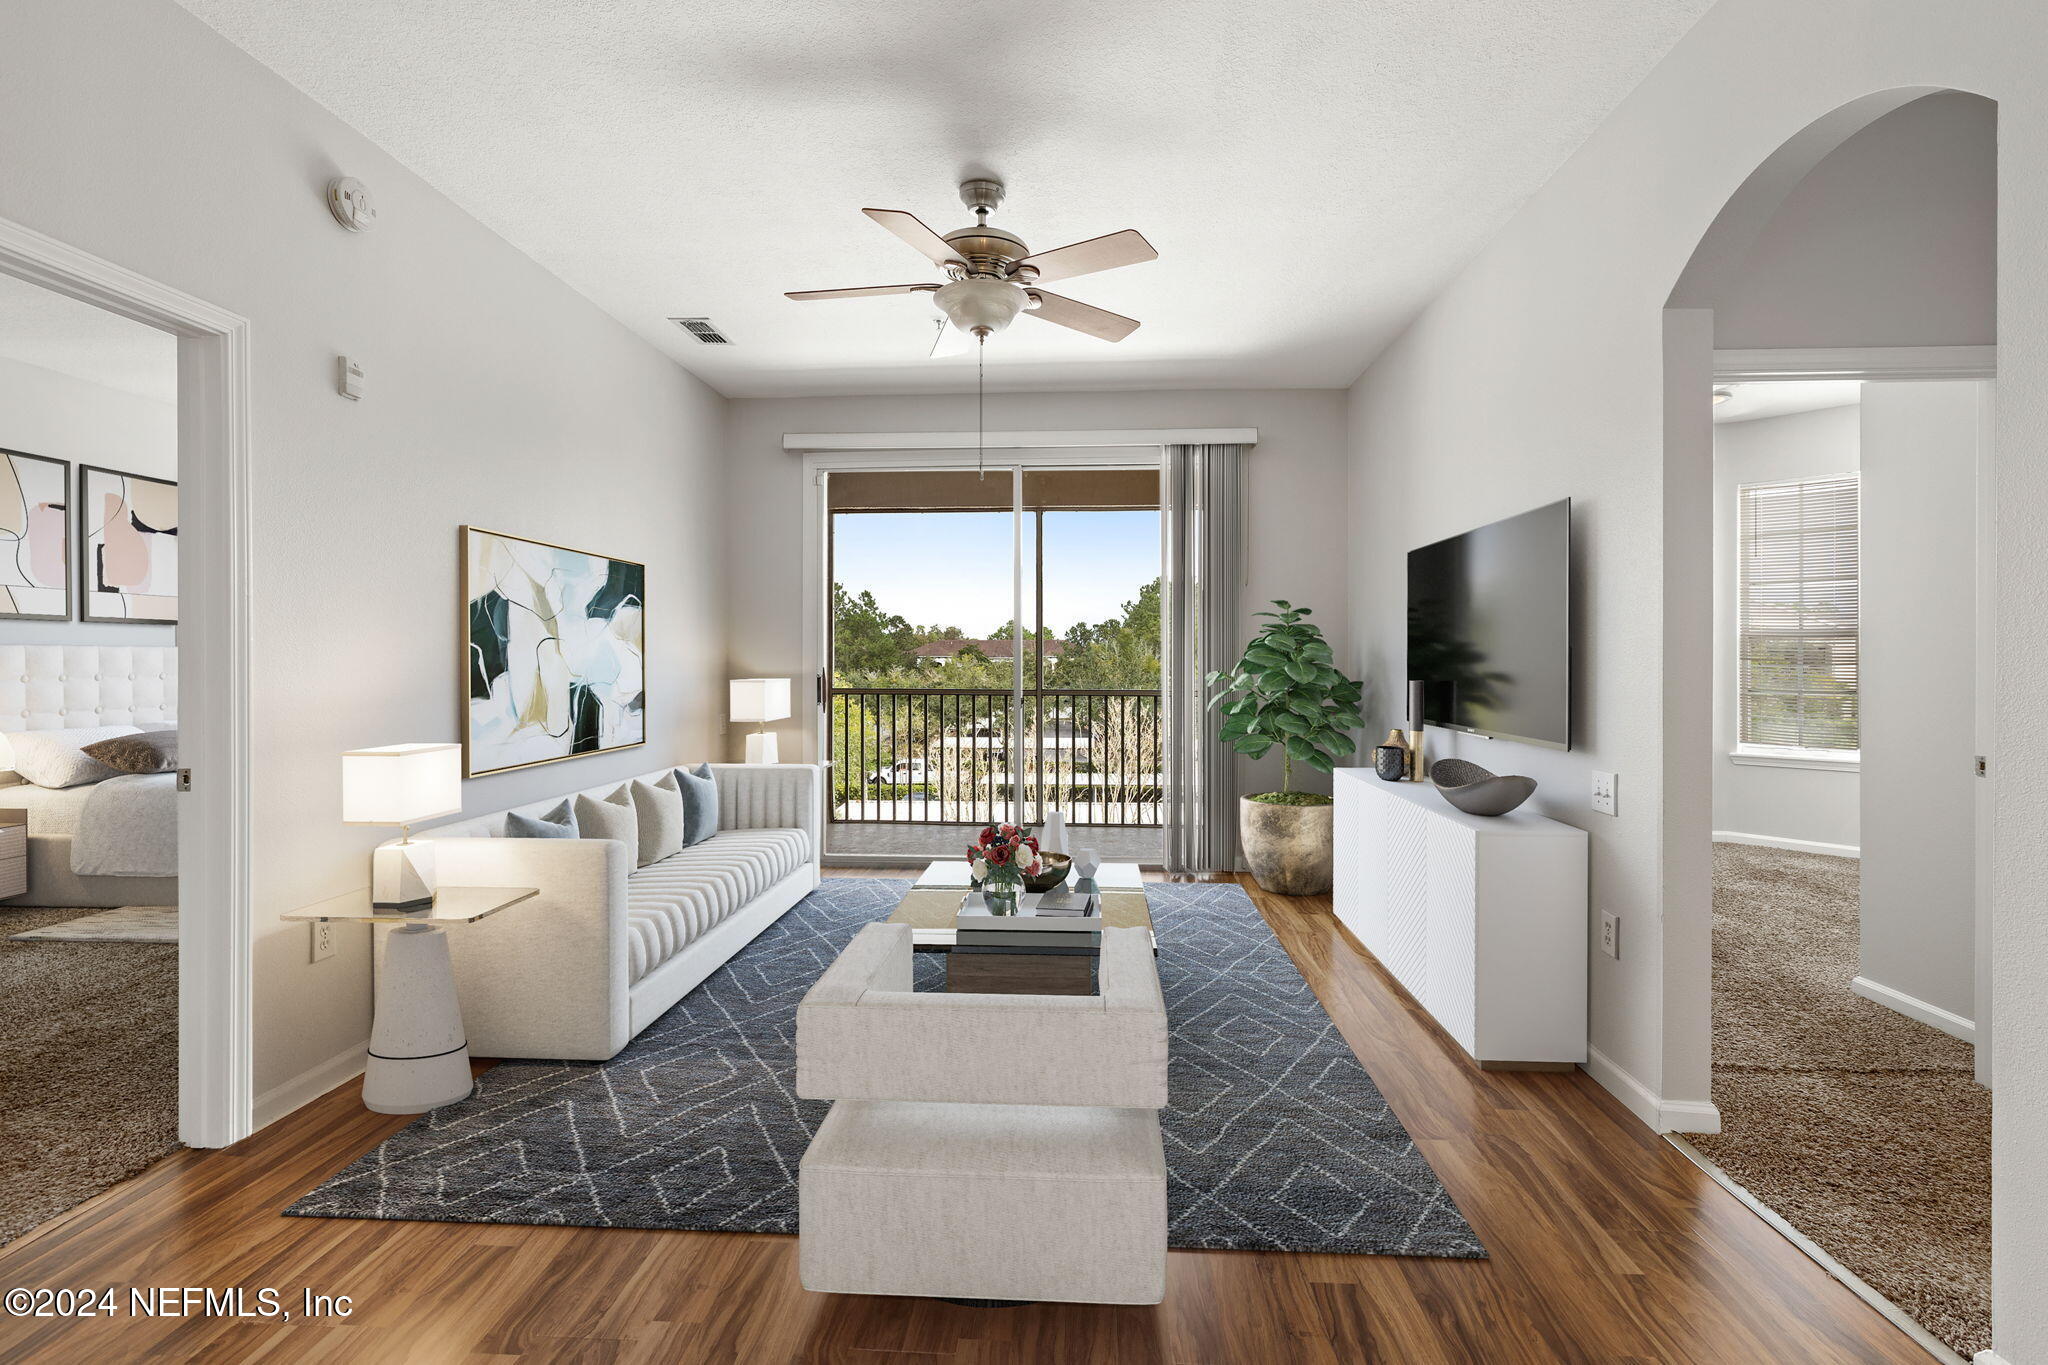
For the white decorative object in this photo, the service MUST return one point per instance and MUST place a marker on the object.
(1052, 835)
(756, 701)
(1482, 918)
(401, 784)
(1087, 862)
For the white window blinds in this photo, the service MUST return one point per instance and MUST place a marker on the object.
(1797, 613)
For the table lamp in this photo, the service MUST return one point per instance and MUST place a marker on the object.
(760, 700)
(401, 784)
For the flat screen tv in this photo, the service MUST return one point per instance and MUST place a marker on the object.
(1489, 628)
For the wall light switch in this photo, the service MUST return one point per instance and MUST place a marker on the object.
(323, 939)
(1604, 785)
(1610, 933)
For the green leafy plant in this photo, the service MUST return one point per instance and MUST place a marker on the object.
(1286, 691)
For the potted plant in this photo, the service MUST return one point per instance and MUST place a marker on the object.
(1286, 692)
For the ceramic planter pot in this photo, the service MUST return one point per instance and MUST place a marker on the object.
(1288, 847)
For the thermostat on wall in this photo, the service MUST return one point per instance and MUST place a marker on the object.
(348, 377)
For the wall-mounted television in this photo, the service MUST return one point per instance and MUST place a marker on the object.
(1490, 628)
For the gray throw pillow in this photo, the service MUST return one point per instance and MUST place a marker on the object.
(659, 806)
(559, 823)
(57, 758)
(154, 751)
(611, 818)
(700, 803)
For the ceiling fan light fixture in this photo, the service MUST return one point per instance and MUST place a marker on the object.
(980, 306)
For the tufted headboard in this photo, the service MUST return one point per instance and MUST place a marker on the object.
(63, 687)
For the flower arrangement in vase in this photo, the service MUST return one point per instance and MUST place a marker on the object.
(1000, 860)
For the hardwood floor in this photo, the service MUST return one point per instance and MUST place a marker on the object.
(1607, 1246)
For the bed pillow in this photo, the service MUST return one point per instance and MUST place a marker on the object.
(559, 823)
(57, 758)
(700, 803)
(659, 808)
(611, 818)
(153, 751)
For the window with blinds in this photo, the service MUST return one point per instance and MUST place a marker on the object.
(1797, 600)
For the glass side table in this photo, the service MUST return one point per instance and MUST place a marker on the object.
(419, 1054)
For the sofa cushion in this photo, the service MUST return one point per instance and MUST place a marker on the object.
(672, 903)
(700, 803)
(659, 808)
(559, 823)
(611, 818)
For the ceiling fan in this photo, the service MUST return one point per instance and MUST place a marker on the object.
(992, 276)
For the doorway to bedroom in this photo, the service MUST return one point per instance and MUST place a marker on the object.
(89, 885)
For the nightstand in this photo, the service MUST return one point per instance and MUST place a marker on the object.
(13, 853)
(419, 1054)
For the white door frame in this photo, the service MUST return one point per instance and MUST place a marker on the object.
(215, 927)
(1892, 365)
(825, 454)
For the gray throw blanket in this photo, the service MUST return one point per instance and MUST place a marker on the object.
(129, 828)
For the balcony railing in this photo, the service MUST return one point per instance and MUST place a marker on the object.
(949, 756)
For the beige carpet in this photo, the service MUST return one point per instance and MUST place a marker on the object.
(124, 924)
(1860, 1127)
(88, 1067)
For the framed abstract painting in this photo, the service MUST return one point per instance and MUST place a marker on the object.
(35, 537)
(551, 652)
(128, 547)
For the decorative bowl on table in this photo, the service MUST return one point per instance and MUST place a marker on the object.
(1476, 791)
(1057, 866)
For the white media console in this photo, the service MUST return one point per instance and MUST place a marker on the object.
(1482, 918)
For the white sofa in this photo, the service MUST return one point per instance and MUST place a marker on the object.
(605, 948)
(983, 1146)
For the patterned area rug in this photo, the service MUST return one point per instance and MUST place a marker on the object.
(127, 924)
(1276, 1139)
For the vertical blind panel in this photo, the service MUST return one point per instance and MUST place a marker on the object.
(1797, 605)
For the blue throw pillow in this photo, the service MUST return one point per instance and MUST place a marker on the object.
(559, 823)
(700, 803)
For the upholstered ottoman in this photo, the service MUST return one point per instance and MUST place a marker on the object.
(985, 1201)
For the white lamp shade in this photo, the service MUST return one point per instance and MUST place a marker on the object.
(760, 699)
(400, 784)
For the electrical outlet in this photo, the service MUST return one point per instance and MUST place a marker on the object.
(323, 939)
(1604, 785)
(1610, 933)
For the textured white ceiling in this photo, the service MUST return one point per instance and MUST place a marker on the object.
(1783, 397)
(58, 333)
(1310, 172)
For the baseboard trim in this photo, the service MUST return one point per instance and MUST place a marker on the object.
(1729, 836)
(1660, 1114)
(302, 1089)
(1954, 1025)
(1892, 1313)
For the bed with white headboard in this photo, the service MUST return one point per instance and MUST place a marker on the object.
(72, 687)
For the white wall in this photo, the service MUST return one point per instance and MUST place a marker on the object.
(67, 418)
(1296, 523)
(1919, 691)
(496, 395)
(1802, 805)
(1541, 373)
(1918, 185)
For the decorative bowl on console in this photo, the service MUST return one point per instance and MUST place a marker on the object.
(1476, 791)
(1057, 866)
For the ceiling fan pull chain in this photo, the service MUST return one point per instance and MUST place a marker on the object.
(980, 424)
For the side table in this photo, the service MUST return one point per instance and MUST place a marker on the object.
(419, 1054)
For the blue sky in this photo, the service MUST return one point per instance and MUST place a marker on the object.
(953, 568)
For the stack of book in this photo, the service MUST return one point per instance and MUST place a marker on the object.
(1059, 921)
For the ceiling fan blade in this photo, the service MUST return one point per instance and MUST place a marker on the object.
(1128, 247)
(911, 229)
(950, 341)
(862, 293)
(1082, 317)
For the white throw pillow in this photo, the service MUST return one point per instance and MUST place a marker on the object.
(611, 818)
(52, 758)
(659, 806)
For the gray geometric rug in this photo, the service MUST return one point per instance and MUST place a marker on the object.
(1276, 1139)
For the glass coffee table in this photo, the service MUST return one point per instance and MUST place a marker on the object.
(931, 903)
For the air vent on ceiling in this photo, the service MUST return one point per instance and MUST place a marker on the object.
(703, 330)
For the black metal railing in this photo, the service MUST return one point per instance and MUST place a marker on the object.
(952, 756)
